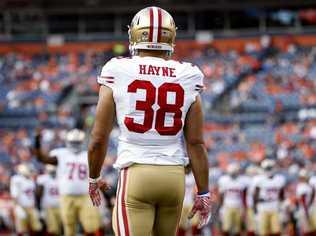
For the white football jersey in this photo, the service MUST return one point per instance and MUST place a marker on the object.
(233, 191)
(72, 171)
(23, 190)
(312, 181)
(152, 97)
(50, 196)
(269, 192)
(304, 189)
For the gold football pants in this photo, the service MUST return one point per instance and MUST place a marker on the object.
(231, 220)
(53, 220)
(78, 207)
(269, 223)
(149, 200)
(31, 221)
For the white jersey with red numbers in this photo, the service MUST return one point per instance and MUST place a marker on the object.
(233, 191)
(152, 97)
(72, 171)
(269, 192)
(22, 189)
(50, 198)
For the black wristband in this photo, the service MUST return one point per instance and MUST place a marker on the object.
(37, 143)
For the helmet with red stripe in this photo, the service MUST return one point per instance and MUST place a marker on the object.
(152, 28)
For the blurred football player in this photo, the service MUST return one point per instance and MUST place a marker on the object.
(22, 189)
(72, 177)
(312, 183)
(156, 100)
(47, 190)
(305, 195)
(233, 200)
(267, 200)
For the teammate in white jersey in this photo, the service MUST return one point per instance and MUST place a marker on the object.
(22, 189)
(305, 194)
(267, 200)
(232, 190)
(156, 101)
(47, 190)
(72, 178)
(312, 183)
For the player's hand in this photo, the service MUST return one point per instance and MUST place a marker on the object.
(202, 205)
(95, 185)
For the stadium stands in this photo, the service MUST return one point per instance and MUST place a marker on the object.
(259, 103)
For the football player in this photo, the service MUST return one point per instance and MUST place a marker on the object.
(269, 194)
(156, 100)
(312, 183)
(22, 189)
(233, 200)
(47, 190)
(72, 177)
(305, 195)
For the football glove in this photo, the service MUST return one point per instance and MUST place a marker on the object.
(95, 185)
(202, 205)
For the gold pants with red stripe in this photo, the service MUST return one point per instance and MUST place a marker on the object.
(149, 200)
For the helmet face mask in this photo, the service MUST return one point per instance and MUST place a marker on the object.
(152, 28)
(74, 140)
(24, 170)
(75, 147)
(51, 170)
(269, 167)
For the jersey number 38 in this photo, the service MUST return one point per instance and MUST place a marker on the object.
(147, 107)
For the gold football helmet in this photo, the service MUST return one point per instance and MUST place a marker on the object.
(152, 28)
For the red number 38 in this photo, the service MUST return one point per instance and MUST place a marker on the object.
(164, 107)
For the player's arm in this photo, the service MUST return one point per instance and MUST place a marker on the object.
(14, 190)
(282, 194)
(303, 200)
(39, 194)
(105, 113)
(244, 198)
(312, 198)
(40, 154)
(256, 199)
(193, 133)
(221, 199)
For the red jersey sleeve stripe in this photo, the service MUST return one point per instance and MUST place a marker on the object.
(107, 77)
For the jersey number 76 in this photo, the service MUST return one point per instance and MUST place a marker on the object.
(164, 107)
